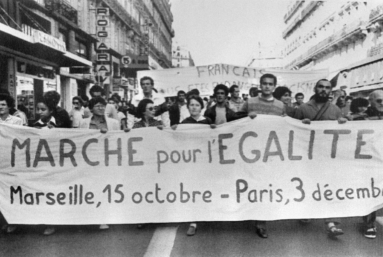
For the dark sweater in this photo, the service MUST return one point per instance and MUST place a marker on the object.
(190, 120)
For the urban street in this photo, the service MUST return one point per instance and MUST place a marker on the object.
(191, 128)
(286, 238)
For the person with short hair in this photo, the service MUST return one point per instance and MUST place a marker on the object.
(349, 99)
(375, 111)
(85, 100)
(265, 103)
(220, 113)
(100, 121)
(178, 111)
(110, 110)
(6, 103)
(51, 116)
(195, 106)
(358, 109)
(54, 115)
(319, 108)
(19, 112)
(340, 101)
(283, 94)
(253, 92)
(77, 112)
(146, 112)
(121, 116)
(299, 98)
(161, 107)
(235, 102)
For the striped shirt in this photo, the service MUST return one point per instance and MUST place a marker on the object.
(259, 105)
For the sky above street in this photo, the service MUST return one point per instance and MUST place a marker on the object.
(228, 31)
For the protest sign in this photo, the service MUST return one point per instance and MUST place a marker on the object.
(168, 82)
(269, 168)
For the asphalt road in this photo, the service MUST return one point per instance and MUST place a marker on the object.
(286, 238)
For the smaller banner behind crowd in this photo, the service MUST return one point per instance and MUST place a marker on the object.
(168, 82)
(268, 168)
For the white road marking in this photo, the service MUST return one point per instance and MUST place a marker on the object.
(162, 242)
(379, 220)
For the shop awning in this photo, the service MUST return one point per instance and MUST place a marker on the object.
(15, 42)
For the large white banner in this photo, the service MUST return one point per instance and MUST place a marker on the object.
(269, 168)
(169, 81)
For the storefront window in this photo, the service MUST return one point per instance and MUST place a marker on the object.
(63, 35)
(81, 49)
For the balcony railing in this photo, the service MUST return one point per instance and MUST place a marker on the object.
(339, 37)
(62, 8)
(376, 12)
(292, 10)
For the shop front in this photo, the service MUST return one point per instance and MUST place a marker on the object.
(30, 64)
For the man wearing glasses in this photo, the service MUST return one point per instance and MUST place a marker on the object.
(375, 111)
(319, 108)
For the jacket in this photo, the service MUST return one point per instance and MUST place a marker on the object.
(211, 113)
(112, 124)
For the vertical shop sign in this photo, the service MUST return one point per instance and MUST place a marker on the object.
(103, 44)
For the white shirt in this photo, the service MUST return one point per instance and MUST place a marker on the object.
(13, 120)
(184, 112)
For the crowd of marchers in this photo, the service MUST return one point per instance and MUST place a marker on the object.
(225, 105)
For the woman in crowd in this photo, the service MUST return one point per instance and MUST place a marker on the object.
(283, 94)
(146, 111)
(50, 116)
(77, 112)
(195, 105)
(99, 121)
(358, 109)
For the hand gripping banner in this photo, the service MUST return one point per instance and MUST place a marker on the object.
(268, 168)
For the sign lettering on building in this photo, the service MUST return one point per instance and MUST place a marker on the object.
(40, 37)
(103, 36)
(101, 46)
(104, 79)
(103, 57)
(102, 11)
(103, 68)
(135, 61)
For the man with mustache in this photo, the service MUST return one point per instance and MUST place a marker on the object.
(319, 108)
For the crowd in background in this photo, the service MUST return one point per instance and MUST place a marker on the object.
(225, 105)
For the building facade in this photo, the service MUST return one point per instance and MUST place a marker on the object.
(181, 57)
(69, 45)
(37, 39)
(139, 38)
(267, 57)
(343, 37)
